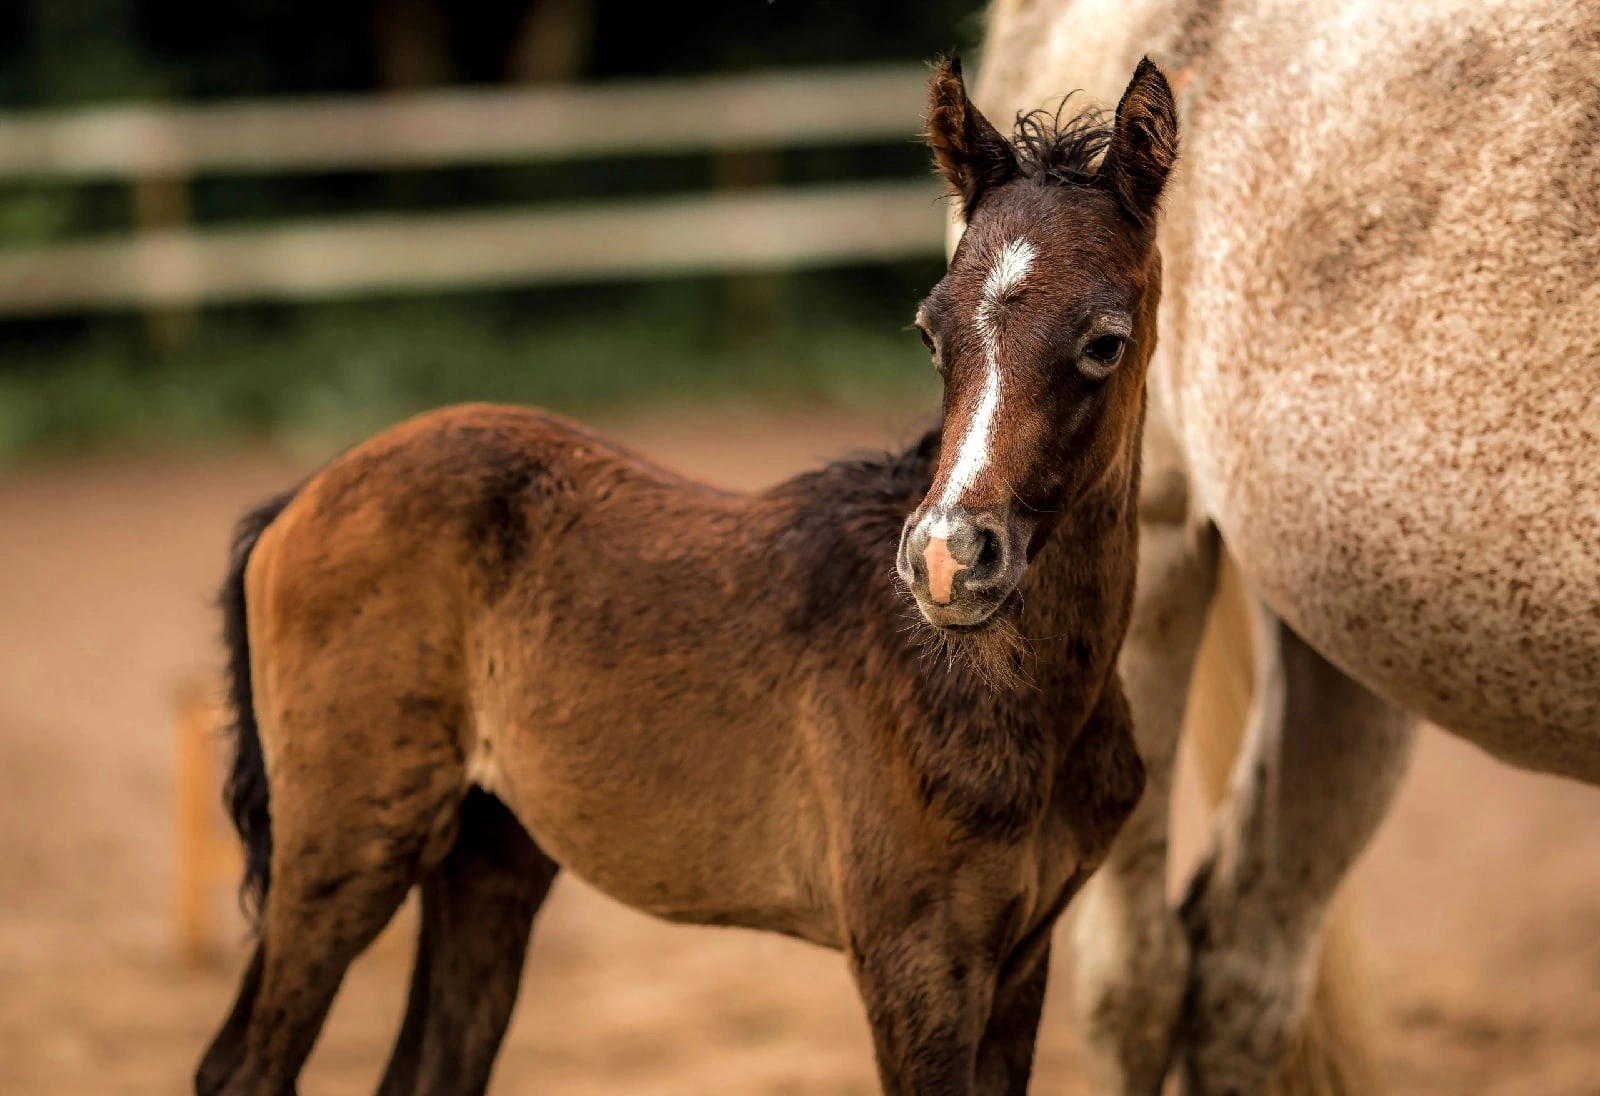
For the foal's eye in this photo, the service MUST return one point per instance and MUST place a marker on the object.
(1106, 350)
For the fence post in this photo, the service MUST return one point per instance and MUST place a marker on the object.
(197, 848)
(161, 202)
(750, 298)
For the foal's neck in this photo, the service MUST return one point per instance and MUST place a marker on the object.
(1077, 594)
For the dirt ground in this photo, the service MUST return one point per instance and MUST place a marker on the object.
(1480, 900)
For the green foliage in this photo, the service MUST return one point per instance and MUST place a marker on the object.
(338, 372)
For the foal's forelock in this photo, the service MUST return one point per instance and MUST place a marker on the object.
(1008, 271)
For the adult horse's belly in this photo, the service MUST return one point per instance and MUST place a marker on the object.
(1456, 572)
(1389, 377)
(1425, 512)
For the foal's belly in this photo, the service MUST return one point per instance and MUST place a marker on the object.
(666, 805)
(1437, 537)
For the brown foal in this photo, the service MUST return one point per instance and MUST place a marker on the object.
(488, 644)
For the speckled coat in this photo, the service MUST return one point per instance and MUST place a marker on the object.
(1380, 348)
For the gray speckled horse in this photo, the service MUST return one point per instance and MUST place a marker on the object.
(1378, 386)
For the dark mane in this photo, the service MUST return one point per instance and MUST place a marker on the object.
(1062, 151)
(871, 480)
(842, 527)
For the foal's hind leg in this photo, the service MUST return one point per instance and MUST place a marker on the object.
(477, 909)
(1321, 763)
(1130, 953)
(226, 1051)
(355, 822)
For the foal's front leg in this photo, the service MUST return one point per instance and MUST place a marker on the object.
(928, 986)
(1005, 1058)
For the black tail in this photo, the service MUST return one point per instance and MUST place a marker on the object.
(244, 795)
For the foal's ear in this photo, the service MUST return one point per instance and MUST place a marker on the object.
(972, 155)
(1144, 144)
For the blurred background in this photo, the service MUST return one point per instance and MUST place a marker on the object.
(274, 219)
(236, 237)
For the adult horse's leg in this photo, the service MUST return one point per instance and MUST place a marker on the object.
(1321, 763)
(478, 908)
(1130, 953)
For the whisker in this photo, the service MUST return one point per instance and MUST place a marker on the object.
(993, 654)
(1029, 506)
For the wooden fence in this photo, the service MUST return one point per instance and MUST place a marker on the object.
(168, 264)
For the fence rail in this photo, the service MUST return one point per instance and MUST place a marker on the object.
(467, 126)
(772, 230)
(167, 265)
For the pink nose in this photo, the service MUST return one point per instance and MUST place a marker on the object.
(942, 568)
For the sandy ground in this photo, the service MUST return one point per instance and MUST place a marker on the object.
(1480, 900)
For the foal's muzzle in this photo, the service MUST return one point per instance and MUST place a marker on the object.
(960, 566)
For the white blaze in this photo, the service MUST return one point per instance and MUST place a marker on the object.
(1010, 267)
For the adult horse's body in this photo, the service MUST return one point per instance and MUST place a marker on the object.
(1379, 380)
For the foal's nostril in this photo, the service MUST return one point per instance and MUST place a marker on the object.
(989, 562)
(988, 554)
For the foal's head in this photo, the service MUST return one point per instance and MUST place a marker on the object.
(1042, 328)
